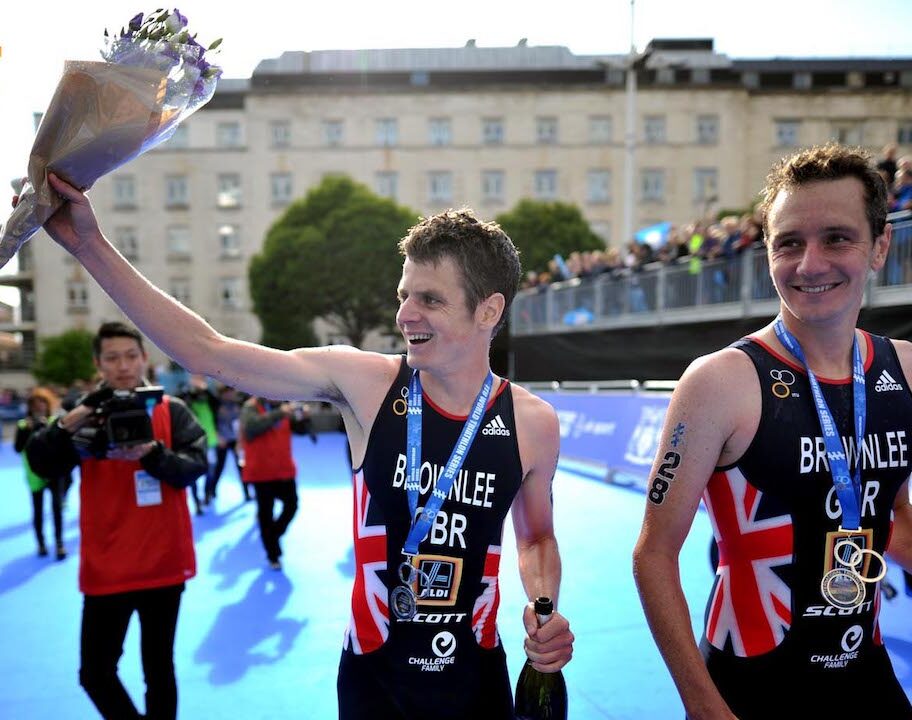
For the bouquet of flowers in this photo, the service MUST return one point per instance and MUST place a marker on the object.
(103, 114)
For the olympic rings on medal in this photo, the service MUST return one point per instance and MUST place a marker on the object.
(400, 404)
(854, 560)
(784, 379)
(410, 575)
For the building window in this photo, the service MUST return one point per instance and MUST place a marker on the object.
(124, 192)
(546, 130)
(905, 78)
(615, 76)
(126, 241)
(177, 191)
(77, 295)
(751, 79)
(848, 132)
(441, 131)
(228, 134)
(179, 289)
(699, 76)
(706, 185)
(707, 129)
(545, 184)
(228, 194)
(280, 133)
(281, 188)
(333, 132)
(652, 185)
(802, 81)
(386, 132)
(654, 129)
(665, 76)
(440, 187)
(387, 184)
(904, 133)
(601, 129)
(230, 293)
(492, 131)
(178, 237)
(598, 186)
(492, 186)
(229, 241)
(787, 133)
(179, 139)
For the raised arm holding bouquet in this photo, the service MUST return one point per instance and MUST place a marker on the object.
(103, 114)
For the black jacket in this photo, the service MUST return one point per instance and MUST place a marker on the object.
(51, 452)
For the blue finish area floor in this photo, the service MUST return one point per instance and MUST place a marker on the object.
(254, 643)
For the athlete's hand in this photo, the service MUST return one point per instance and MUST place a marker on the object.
(550, 646)
(74, 224)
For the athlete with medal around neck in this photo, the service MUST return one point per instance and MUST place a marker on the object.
(797, 439)
(423, 630)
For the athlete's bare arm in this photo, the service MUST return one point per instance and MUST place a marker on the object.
(900, 549)
(713, 414)
(353, 380)
(551, 646)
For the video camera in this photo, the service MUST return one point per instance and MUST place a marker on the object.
(123, 420)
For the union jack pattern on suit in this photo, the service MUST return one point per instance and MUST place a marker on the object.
(484, 614)
(369, 626)
(751, 604)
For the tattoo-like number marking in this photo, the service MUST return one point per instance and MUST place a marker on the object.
(665, 476)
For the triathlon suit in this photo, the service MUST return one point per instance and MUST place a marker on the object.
(448, 662)
(771, 640)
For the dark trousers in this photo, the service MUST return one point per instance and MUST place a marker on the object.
(272, 528)
(104, 626)
(56, 488)
(221, 455)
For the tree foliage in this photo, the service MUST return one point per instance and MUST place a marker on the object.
(331, 255)
(65, 358)
(541, 229)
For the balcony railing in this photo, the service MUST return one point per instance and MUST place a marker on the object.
(662, 294)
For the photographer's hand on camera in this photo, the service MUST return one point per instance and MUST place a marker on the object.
(135, 452)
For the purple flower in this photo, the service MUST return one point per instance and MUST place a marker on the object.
(181, 18)
(136, 23)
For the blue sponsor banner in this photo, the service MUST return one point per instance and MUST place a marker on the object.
(609, 436)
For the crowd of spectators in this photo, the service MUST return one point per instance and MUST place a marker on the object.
(702, 240)
(692, 244)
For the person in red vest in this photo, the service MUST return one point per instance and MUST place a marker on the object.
(270, 468)
(136, 549)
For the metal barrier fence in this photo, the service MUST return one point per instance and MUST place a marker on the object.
(735, 287)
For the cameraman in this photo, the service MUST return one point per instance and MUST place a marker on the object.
(136, 540)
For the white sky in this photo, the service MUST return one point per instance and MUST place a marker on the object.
(37, 36)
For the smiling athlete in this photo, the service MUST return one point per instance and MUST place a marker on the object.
(797, 438)
(442, 450)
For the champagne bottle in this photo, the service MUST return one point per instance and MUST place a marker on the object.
(541, 696)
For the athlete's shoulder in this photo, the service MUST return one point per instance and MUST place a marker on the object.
(533, 412)
(726, 367)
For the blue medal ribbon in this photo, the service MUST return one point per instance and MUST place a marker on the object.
(848, 485)
(421, 524)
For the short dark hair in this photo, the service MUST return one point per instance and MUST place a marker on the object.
(112, 330)
(487, 258)
(829, 162)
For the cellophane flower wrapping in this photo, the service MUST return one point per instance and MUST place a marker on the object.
(154, 74)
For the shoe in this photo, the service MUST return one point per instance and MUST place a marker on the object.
(42, 550)
(199, 510)
(61, 552)
(275, 564)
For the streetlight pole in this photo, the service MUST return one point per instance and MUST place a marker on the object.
(630, 137)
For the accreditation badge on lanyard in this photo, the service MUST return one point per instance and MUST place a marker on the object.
(403, 598)
(848, 550)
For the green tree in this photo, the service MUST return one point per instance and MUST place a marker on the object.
(64, 358)
(331, 255)
(541, 229)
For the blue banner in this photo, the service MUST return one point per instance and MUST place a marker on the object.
(609, 436)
